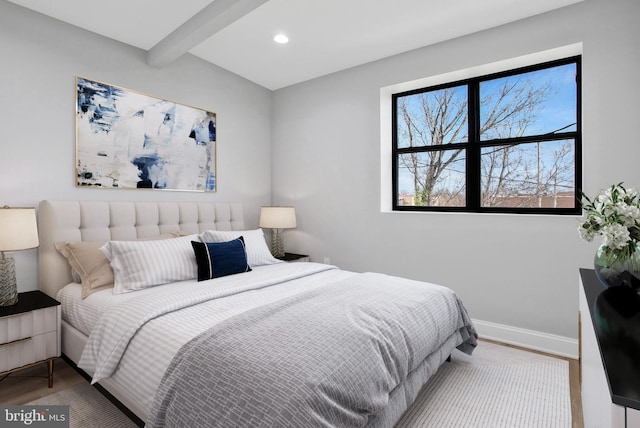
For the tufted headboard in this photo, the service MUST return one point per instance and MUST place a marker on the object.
(64, 221)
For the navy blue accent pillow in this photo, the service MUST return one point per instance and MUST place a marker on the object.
(216, 259)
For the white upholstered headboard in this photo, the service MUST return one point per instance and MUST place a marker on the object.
(64, 221)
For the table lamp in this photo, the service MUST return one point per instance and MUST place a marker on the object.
(277, 218)
(18, 231)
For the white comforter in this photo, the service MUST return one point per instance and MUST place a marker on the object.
(153, 344)
(134, 341)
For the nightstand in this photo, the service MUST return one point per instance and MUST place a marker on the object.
(29, 333)
(291, 257)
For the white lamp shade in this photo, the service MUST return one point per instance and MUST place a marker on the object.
(278, 217)
(18, 229)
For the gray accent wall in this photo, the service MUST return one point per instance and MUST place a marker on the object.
(512, 270)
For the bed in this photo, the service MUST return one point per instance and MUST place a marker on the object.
(275, 344)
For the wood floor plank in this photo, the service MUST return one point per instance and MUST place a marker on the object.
(30, 384)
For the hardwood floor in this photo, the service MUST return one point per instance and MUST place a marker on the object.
(30, 384)
(576, 398)
(27, 385)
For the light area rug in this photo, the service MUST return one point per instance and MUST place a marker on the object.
(497, 387)
(88, 408)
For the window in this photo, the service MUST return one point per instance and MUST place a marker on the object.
(506, 142)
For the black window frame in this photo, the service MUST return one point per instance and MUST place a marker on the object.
(474, 144)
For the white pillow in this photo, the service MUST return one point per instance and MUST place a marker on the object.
(141, 264)
(257, 251)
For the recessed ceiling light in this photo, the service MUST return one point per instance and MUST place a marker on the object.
(281, 38)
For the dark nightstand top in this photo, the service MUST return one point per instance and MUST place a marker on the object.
(28, 301)
(615, 313)
(288, 257)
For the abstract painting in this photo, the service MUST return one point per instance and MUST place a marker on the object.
(125, 139)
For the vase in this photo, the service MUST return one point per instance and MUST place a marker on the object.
(625, 272)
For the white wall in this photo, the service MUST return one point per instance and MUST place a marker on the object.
(40, 58)
(518, 271)
(514, 270)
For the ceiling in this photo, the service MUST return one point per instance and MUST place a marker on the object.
(325, 36)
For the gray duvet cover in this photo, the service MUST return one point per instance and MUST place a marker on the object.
(350, 354)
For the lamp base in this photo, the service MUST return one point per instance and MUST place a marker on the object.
(277, 247)
(8, 286)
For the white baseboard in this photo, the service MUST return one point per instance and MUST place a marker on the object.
(531, 339)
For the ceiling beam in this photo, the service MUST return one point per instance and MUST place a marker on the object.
(213, 18)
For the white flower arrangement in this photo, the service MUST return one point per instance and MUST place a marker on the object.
(615, 214)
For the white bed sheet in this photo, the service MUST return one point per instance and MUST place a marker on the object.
(83, 314)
